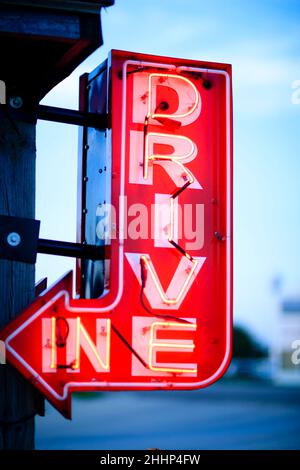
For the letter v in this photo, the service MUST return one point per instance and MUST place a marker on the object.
(179, 286)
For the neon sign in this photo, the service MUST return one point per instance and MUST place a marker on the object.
(157, 313)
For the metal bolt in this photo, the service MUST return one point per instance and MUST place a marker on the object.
(207, 84)
(16, 102)
(219, 237)
(163, 105)
(13, 239)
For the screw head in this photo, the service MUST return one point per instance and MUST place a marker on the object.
(207, 84)
(16, 102)
(13, 239)
(163, 105)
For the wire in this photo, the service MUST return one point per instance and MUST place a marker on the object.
(165, 317)
(143, 285)
(61, 338)
(129, 346)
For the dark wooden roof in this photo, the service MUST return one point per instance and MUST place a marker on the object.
(42, 42)
(83, 6)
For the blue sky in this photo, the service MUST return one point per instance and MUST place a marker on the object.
(262, 42)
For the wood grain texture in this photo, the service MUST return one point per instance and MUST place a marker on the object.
(17, 198)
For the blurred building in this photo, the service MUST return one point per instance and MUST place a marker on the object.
(285, 370)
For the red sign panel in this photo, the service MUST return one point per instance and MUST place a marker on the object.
(163, 318)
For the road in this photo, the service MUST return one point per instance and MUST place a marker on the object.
(227, 415)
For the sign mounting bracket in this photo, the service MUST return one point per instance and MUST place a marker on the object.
(19, 242)
(72, 116)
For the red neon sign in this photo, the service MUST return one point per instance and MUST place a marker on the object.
(164, 318)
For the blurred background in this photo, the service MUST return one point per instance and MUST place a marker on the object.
(257, 404)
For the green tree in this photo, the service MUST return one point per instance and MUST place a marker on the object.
(245, 346)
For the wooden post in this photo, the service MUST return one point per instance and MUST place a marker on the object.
(41, 42)
(17, 283)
